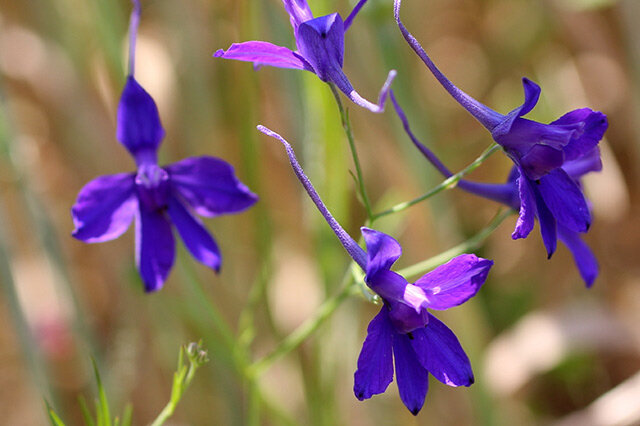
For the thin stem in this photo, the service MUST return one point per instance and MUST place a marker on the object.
(448, 183)
(468, 245)
(346, 125)
(307, 328)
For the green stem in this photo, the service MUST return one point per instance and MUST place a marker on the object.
(468, 245)
(448, 183)
(307, 328)
(346, 124)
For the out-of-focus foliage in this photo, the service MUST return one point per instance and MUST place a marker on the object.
(543, 348)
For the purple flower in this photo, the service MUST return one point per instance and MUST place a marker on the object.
(554, 201)
(403, 329)
(320, 49)
(539, 152)
(155, 196)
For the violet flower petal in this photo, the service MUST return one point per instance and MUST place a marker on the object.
(155, 248)
(439, 351)
(565, 200)
(195, 236)
(589, 162)
(393, 287)
(582, 254)
(531, 97)
(264, 53)
(139, 128)
(594, 124)
(375, 363)
(209, 185)
(547, 223)
(321, 42)
(298, 11)
(454, 282)
(405, 318)
(382, 250)
(411, 377)
(526, 219)
(104, 208)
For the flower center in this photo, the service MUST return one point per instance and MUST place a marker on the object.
(152, 185)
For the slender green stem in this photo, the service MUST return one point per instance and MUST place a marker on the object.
(448, 183)
(467, 245)
(307, 328)
(346, 124)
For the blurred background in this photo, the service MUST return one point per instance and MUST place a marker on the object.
(544, 349)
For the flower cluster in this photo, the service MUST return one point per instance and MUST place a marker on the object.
(549, 161)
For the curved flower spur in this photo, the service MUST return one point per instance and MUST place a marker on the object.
(540, 153)
(509, 194)
(156, 196)
(320, 43)
(419, 342)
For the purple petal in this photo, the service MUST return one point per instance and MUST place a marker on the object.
(155, 248)
(105, 208)
(547, 223)
(393, 287)
(382, 250)
(540, 160)
(405, 318)
(565, 200)
(455, 282)
(375, 363)
(531, 97)
(526, 220)
(321, 42)
(593, 124)
(411, 377)
(195, 236)
(589, 162)
(209, 185)
(298, 11)
(139, 128)
(263, 53)
(439, 351)
(582, 254)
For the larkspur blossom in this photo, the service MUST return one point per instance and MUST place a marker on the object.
(156, 196)
(509, 193)
(403, 329)
(320, 49)
(539, 152)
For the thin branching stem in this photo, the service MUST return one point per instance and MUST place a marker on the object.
(448, 183)
(346, 125)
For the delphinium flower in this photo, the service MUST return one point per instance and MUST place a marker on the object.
(510, 194)
(156, 196)
(403, 329)
(320, 49)
(539, 151)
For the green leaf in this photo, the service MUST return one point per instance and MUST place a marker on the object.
(86, 414)
(104, 418)
(53, 417)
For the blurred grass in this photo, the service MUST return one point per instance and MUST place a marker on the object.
(61, 68)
